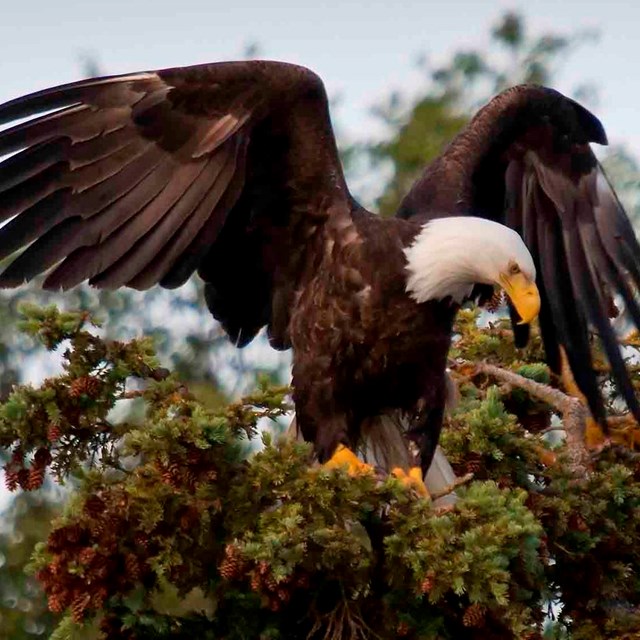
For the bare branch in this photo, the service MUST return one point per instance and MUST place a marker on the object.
(574, 412)
(445, 491)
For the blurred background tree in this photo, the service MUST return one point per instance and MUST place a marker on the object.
(192, 344)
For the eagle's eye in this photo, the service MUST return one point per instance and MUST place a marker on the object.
(514, 268)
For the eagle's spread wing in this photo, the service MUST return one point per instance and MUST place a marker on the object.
(142, 178)
(525, 161)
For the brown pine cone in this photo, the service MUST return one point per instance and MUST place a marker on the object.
(57, 603)
(427, 584)
(283, 595)
(474, 616)
(79, 606)
(256, 582)
(473, 463)
(36, 478)
(270, 582)
(86, 385)
(53, 433)
(87, 555)
(98, 598)
(230, 568)
(495, 301)
(11, 478)
(132, 567)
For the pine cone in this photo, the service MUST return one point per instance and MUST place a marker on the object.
(86, 385)
(495, 301)
(427, 584)
(474, 616)
(56, 603)
(36, 477)
(11, 479)
(171, 475)
(98, 598)
(473, 463)
(79, 606)
(535, 422)
(230, 568)
(57, 540)
(87, 555)
(74, 533)
(189, 478)
(53, 433)
(256, 582)
(57, 566)
(132, 567)
(283, 595)
(270, 582)
(41, 461)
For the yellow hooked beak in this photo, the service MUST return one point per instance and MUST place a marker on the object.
(524, 295)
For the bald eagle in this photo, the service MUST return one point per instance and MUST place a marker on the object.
(231, 170)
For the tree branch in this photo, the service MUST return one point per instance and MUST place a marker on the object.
(574, 413)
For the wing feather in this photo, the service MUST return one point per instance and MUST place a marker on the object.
(525, 160)
(129, 180)
(92, 259)
(160, 243)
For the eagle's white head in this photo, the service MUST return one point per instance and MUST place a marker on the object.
(450, 255)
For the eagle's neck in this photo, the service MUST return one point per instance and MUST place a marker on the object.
(449, 256)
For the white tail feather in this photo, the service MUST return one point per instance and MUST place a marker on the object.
(384, 445)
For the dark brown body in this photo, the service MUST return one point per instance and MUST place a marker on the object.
(361, 346)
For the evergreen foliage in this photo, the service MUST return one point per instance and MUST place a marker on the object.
(174, 530)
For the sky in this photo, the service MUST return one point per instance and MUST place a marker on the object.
(363, 50)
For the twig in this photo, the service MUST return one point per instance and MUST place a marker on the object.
(130, 395)
(551, 429)
(574, 413)
(450, 488)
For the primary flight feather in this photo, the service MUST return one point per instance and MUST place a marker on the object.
(231, 169)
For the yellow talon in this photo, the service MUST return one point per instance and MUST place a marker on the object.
(412, 479)
(344, 457)
(594, 435)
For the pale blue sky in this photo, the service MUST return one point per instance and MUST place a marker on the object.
(361, 49)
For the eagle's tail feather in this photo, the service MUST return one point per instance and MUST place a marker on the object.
(384, 446)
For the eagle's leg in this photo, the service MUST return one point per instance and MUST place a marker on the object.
(329, 433)
(426, 434)
(344, 457)
(412, 478)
